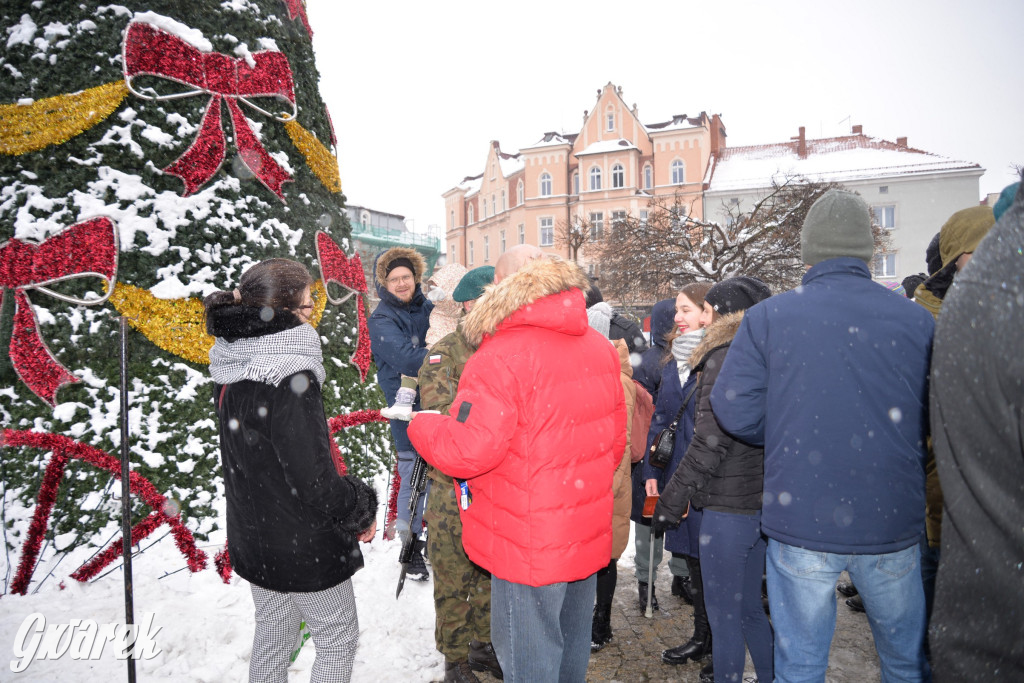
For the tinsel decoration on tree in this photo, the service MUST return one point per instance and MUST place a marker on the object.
(190, 140)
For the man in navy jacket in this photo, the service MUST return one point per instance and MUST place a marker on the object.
(832, 378)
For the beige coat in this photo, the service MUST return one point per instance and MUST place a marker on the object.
(622, 486)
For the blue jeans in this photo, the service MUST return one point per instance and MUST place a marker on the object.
(542, 633)
(801, 593)
(732, 563)
(406, 460)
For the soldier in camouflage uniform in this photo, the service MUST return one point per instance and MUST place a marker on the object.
(462, 590)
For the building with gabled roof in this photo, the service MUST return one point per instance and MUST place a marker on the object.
(912, 192)
(613, 166)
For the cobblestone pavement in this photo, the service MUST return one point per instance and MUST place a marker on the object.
(634, 654)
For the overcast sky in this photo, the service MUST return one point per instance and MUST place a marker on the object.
(416, 89)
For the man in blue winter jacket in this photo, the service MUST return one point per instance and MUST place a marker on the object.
(832, 378)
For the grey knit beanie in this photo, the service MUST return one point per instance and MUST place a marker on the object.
(600, 318)
(838, 224)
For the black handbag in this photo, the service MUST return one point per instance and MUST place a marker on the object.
(664, 442)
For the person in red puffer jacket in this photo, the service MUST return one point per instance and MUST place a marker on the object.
(537, 428)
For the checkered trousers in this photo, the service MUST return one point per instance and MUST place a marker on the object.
(331, 617)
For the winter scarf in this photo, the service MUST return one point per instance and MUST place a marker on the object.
(268, 359)
(682, 347)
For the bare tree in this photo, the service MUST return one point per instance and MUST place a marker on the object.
(652, 258)
(573, 235)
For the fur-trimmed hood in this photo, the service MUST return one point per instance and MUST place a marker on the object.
(718, 333)
(537, 279)
(419, 265)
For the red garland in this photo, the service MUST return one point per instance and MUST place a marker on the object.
(396, 482)
(149, 51)
(63, 450)
(87, 249)
(348, 273)
(297, 8)
(222, 561)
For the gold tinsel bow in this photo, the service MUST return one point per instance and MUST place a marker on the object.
(179, 325)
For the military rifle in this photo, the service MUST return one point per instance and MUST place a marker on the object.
(412, 542)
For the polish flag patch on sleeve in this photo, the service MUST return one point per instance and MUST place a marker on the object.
(434, 359)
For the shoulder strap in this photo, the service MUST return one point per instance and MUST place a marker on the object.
(682, 408)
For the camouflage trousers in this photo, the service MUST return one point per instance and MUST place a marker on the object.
(462, 590)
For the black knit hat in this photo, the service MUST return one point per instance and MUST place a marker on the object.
(736, 294)
(932, 257)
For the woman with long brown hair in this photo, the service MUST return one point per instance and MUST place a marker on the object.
(293, 522)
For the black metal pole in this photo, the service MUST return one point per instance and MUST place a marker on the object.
(126, 502)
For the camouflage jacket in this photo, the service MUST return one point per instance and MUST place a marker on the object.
(439, 378)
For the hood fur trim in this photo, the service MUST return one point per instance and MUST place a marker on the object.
(537, 279)
(717, 334)
(419, 264)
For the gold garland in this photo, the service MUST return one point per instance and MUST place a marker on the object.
(55, 120)
(179, 325)
(319, 159)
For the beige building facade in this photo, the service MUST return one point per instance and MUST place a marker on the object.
(611, 168)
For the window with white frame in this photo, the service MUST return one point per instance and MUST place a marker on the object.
(519, 193)
(503, 206)
(487, 248)
(501, 242)
(364, 218)
(576, 182)
(610, 121)
(596, 225)
(885, 216)
(595, 178)
(522, 233)
(643, 217)
(884, 265)
(453, 218)
(471, 214)
(545, 184)
(618, 219)
(648, 177)
(678, 172)
(883, 189)
(618, 176)
(469, 253)
(494, 206)
(547, 232)
(451, 253)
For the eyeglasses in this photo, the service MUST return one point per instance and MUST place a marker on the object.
(400, 278)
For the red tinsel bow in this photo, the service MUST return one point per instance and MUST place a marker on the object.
(88, 249)
(297, 8)
(153, 52)
(348, 273)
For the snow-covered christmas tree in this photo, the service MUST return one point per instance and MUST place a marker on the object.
(149, 153)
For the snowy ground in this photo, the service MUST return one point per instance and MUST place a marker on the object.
(206, 626)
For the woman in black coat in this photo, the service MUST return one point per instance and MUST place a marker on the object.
(293, 522)
(724, 477)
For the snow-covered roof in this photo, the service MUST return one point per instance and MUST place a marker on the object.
(605, 146)
(552, 139)
(839, 159)
(471, 184)
(510, 164)
(678, 122)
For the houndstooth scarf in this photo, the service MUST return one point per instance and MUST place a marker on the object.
(268, 359)
(682, 347)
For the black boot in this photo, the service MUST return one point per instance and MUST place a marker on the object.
(699, 646)
(458, 672)
(601, 629)
(642, 589)
(482, 658)
(681, 588)
(707, 673)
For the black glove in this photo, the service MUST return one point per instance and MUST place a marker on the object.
(661, 521)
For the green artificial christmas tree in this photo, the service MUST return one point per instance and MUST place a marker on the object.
(149, 153)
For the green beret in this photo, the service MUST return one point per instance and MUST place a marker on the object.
(472, 284)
